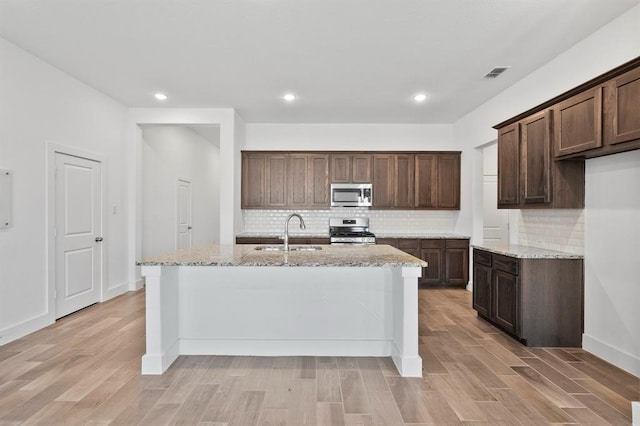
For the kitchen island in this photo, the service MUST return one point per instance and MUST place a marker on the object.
(237, 300)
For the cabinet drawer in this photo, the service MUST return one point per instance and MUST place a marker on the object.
(457, 243)
(483, 257)
(506, 264)
(408, 243)
(432, 243)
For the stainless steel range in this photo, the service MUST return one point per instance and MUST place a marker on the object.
(350, 231)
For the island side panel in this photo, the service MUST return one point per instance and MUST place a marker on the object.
(330, 311)
(161, 315)
(405, 321)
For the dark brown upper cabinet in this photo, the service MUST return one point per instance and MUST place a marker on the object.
(318, 175)
(350, 168)
(535, 148)
(623, 108)
(527, 176)
(426, 171)
(578, 123)
(509, 166)
(599, 117)
(285, 180)
(276, 181)
(301, 179)
(448, 182)
(384, 180)
(404, 181)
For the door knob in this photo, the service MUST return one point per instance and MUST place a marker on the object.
(98, 239)
(189, 227)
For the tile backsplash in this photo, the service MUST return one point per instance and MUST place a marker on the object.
(382, 221)
(554, 229)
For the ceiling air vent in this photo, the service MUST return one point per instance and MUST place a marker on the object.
(496, 72)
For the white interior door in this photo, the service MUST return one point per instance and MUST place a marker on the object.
(183, 214)
(78, 265)
(495, 222)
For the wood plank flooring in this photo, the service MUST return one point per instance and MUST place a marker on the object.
(85, 370)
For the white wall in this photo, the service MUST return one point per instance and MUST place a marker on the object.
(38, 103)
(612, 260)
(612, 45)
(170, 153)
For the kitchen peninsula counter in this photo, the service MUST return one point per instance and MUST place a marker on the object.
(235, 300)
(525, 252)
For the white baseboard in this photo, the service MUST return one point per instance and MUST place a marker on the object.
(407, 366)
(628, 362)
(112, 292)
(17, 331)
(158, 363)
(283, 347)
(136, 285)
(635, 413)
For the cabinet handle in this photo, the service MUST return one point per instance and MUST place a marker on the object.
(98, 239)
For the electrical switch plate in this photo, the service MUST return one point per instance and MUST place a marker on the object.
(5, 198)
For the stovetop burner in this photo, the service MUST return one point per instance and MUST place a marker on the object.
(350, 231)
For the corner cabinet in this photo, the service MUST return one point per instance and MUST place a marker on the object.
(537, 301)
(527, 175)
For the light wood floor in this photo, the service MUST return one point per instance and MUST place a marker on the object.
(85, 369)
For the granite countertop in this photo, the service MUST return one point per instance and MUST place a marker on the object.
(246, 255)
(423, 235)
(525, 252)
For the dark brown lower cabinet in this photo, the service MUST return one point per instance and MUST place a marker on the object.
(448, 259)
(538, 301)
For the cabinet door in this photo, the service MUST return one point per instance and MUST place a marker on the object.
(577, 123)
(505, 292)
(276, 180)
(404, 181)
(426, 181)
(384, 181)
(536, 159)
(253, 181)
(448, 181)
(361, 168)
(624, 107)
(318, 181)
(341, 168)
(297, 180)
(509, 166)
(482, 289)
(432, 274)
(456, 260)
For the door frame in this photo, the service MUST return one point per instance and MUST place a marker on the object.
(52, 149)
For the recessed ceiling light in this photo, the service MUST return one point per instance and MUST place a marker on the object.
(289, 97)
(160, 96)
(420, 97)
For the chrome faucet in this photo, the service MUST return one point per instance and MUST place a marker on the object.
(286, 229)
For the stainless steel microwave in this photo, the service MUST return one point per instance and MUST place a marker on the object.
(351, 195)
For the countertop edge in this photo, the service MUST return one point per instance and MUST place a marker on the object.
(527, 252)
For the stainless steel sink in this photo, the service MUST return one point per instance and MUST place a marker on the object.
(291, 248)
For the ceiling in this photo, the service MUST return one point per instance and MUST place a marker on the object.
(349, 61)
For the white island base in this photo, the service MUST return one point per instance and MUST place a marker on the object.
(281, 311)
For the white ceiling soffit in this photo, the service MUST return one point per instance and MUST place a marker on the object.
(358, 61)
